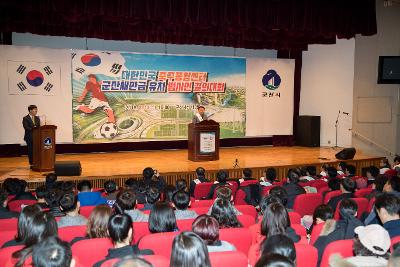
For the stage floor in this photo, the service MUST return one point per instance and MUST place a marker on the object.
(175, 161)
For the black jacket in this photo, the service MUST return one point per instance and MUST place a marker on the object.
(212, 189)
(6, 214)
(123, 252)
(24, 196)
(28, 126)
(333, 202)
(192, 185)
(293, 190)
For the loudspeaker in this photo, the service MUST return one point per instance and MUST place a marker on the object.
(308, 131)
(68, 168)
(346, 153)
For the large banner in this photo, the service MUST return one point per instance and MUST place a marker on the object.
(120, 97)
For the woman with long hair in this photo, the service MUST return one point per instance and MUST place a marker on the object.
(222, 210)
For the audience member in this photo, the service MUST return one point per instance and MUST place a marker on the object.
(281, 193)
(392, 186)
(222, 180)
(4, 212)
(130, 184)
(152, 196)
(387, 207)
(247, 175)
(200, 178)
(306, 174)
(70, 205)
(169, 193)
(322, 213)
(331, 173)
(52, 199)
(151, 177)
(274, 260)
(120, 229)
(279, 244)
(51, 180)
(181, 202)
(347, 186)
(22, 191)
(88, 198)
(372, 173)
(222, 210)
(270, 177)
(189, 250)
(342, 166)
(133, 262)
(350, 170)
(377, 186)
(126, 203)
(41, 193)
(180, 185)
(111, 190)
(384, 166)
(224, 192)
(52, 252)
(68, 187)
(162, 219)
(292, 188)
(207, 228)
(324, 170)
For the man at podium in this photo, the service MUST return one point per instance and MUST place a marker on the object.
(30, 122)
(200, 115)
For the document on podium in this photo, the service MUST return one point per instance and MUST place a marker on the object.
(207, 142)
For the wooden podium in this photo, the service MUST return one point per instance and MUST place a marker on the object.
(203, 141)
(44, 148)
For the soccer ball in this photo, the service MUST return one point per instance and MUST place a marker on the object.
(109, 130)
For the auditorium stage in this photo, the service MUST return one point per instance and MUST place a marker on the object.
(173, 164)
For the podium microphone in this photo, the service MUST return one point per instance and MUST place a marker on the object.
(236, 165)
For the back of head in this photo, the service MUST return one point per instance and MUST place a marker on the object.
(349, 185)
(134, 262)
(222, 176)
(68, 187)
(323, 212)
(223, 211)
(68, 202)
(181, 185)
(247, 173)
(348, 208)
(351, 169)
(130, 184)
(224, 192)
(3, 196)
(334, 184)
(332, 172)
(98, 222)
(162, 218)
(279, 244)
(51, 179)
(126, 200)
(274, 260)
(43, 225)
(25, 219)
(380, 181)
(152, 195)
(110, 186)
(148, 173)
(389, 202)
(200, 172)
(52, 252)
(293, 176)
(374, 171)
(207, 228)
(21, 186)
(189, 250)
(275, 220)
(281, 193)
(169, 192)
(119, 226)
(270, 174)
(394, 182)
(312, 170)
(267, 200)
(181, 200)
(52, 198)
(84, 186)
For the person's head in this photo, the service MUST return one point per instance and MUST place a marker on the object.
(207, 228)
(380, 182)
(223, 211)
(322, 213)
(267, 200)
(393, 184)
(126, 200)
(387, 207)
(181, 185)
(120, 229)
(133, 262)
(342, 166)
(293, 176)
(51, 179)
(371, 240)
(311, 171)
(274, 260)
(372, 172)
(69, 203)
(32, 109)
(275, 220)
(68, 187)
(181, 200)
(384, 163)
(332, 172)
(334, 184)
(85, 186)
(110, 186)
(222, 176)
(350, 170)
(52, 198)
(92, 78)
(279, 244)
(9, 185)
(169, 192)
(224, 192)
(396, 160)
(3, 197)
(324, 167)
(21, 187)
(394, 260)
(200, 172)
(148, 173)
(247, 173)
(348, 208)
(201, 109)
(152, 195)
(98, 222)
(347, 185)
(281, 193)
(25, 219)
(130, 184)
(189, 250)
(162, 218)
(270, 174)
(52, 252)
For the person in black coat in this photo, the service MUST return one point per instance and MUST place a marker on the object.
(222, 180)
(200, 178)
(4, 212)
(29, 122)
(292, 187)
(347, 186)
(22, 193)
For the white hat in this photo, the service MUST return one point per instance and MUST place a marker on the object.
(374, 237)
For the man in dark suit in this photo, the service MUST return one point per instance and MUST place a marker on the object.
(30, 122)
(200, 115)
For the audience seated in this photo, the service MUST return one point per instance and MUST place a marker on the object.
(281, 194)
(70, 205)
(340, 230)
(43, 225)
(52, 252)
(131, 184)
(162, 219)
(4, 212)
(341, 169)
(350, 170)
(169, 193)
(111, 191)
(347, 186)
(223, 211)
(279, 244)
(97, 223)
(377, 186)
(387, 207)
(180, 185)
(52, 199)
(189, 250)
(152, 196)
(120, 230)
(200, 178)
(24, 225)
(151, 177)
(247, 175)
(321, 214)
(253, 191)
(370, 248)
(21, 191)
(308, 173)
(126, 203)
(372, 173)
(274, 260)
(51, 180)
(181, 202)
(292, 187)
(270, 177)
(41, 192)
(207, 228)
(222, 180)
(88, 198)
(324, 170)
(224, 192)
(384, 166)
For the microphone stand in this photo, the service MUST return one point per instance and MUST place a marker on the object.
(236, 165)
(336, 129)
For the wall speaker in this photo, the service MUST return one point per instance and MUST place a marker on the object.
(308, 131)
(68, 168)
(346, 153)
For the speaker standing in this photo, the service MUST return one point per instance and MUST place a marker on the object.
(30, 122)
